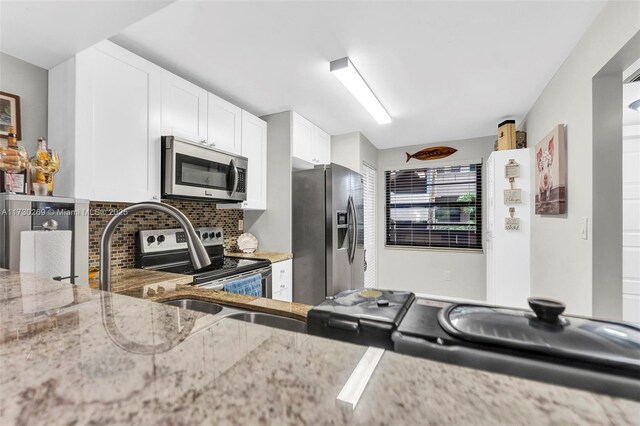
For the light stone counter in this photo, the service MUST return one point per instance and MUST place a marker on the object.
(91, 359)
(273, 257)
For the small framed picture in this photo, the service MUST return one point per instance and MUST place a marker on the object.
(9, 114)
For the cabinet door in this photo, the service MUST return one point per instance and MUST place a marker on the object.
(224, 125)
(184, 108)
(302, 138)
(282, 280)
(117, 125)
(321, 147)
(254, 147)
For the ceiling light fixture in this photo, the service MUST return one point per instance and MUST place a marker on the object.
(635, 105)
(353, 81)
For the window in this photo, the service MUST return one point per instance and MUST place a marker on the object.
(434, 207)
(369, 185)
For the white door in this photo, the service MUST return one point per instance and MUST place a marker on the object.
(254, 147)
(184, 108)
(118, 123)
(631, 224)
(369, 190)
(225, 124)
(302, 138)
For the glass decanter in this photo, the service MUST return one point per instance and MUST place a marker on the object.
(13, 160)
(43, 165)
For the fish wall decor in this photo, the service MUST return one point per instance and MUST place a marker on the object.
(433, 153)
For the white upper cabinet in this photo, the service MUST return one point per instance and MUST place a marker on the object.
(309, 143)
(321, 148)
(225, 123)
(302, 137)
(104, 119)
(184, 108)
(254, 147)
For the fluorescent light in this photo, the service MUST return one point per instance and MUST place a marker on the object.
(353, 81)
(635, 105)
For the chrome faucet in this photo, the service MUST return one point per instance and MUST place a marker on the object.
(197, 252)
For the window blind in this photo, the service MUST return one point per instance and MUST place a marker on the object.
(434, 207)
(369, 186)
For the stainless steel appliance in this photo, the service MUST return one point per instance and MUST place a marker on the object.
(599, 356)
(363, 316)
(28, 213)
(327, 232)
(194, 171)
(166, 250)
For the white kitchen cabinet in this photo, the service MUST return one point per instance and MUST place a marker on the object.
(321, 147)
(302, 138)
(254, 147)
(224, 125)
(184, 108)
(309, 143)
(282, 288)
(104, 118)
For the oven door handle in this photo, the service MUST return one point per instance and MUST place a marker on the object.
(232, 165)
(218, 284)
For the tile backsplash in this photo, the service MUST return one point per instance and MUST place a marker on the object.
(123, 249)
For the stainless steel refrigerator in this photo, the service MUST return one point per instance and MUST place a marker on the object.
(328, 234)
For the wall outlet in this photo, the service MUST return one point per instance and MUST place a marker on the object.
(240, 225)
(447, 275)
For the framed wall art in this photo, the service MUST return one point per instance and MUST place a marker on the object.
(550, 183)
(9, 114)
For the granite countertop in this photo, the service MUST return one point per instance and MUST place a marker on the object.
(261, 304)
(134, 281)
(272, 256)
(167, 286)
(76, 355)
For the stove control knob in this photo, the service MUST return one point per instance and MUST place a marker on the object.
(151, 239)
(160, 239)
(218, 234)
(205, 235)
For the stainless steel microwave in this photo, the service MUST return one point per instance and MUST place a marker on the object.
(194, 171)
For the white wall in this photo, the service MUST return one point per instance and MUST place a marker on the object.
(272, 227)
(351, 149)
(562, 263)
(422, 270)
(30, 82)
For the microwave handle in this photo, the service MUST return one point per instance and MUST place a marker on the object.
(232, 164)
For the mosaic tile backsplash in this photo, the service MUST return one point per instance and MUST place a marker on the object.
(123, 250)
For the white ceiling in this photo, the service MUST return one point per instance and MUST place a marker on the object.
(443, 70)
(46, 33)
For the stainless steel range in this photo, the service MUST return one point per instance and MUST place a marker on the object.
(166, 250)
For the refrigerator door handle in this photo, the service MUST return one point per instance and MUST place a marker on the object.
(354, 218)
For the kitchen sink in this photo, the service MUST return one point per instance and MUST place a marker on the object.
(223, 311)
(269, 320)
(196, 305)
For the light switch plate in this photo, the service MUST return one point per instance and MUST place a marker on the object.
(584, 226)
